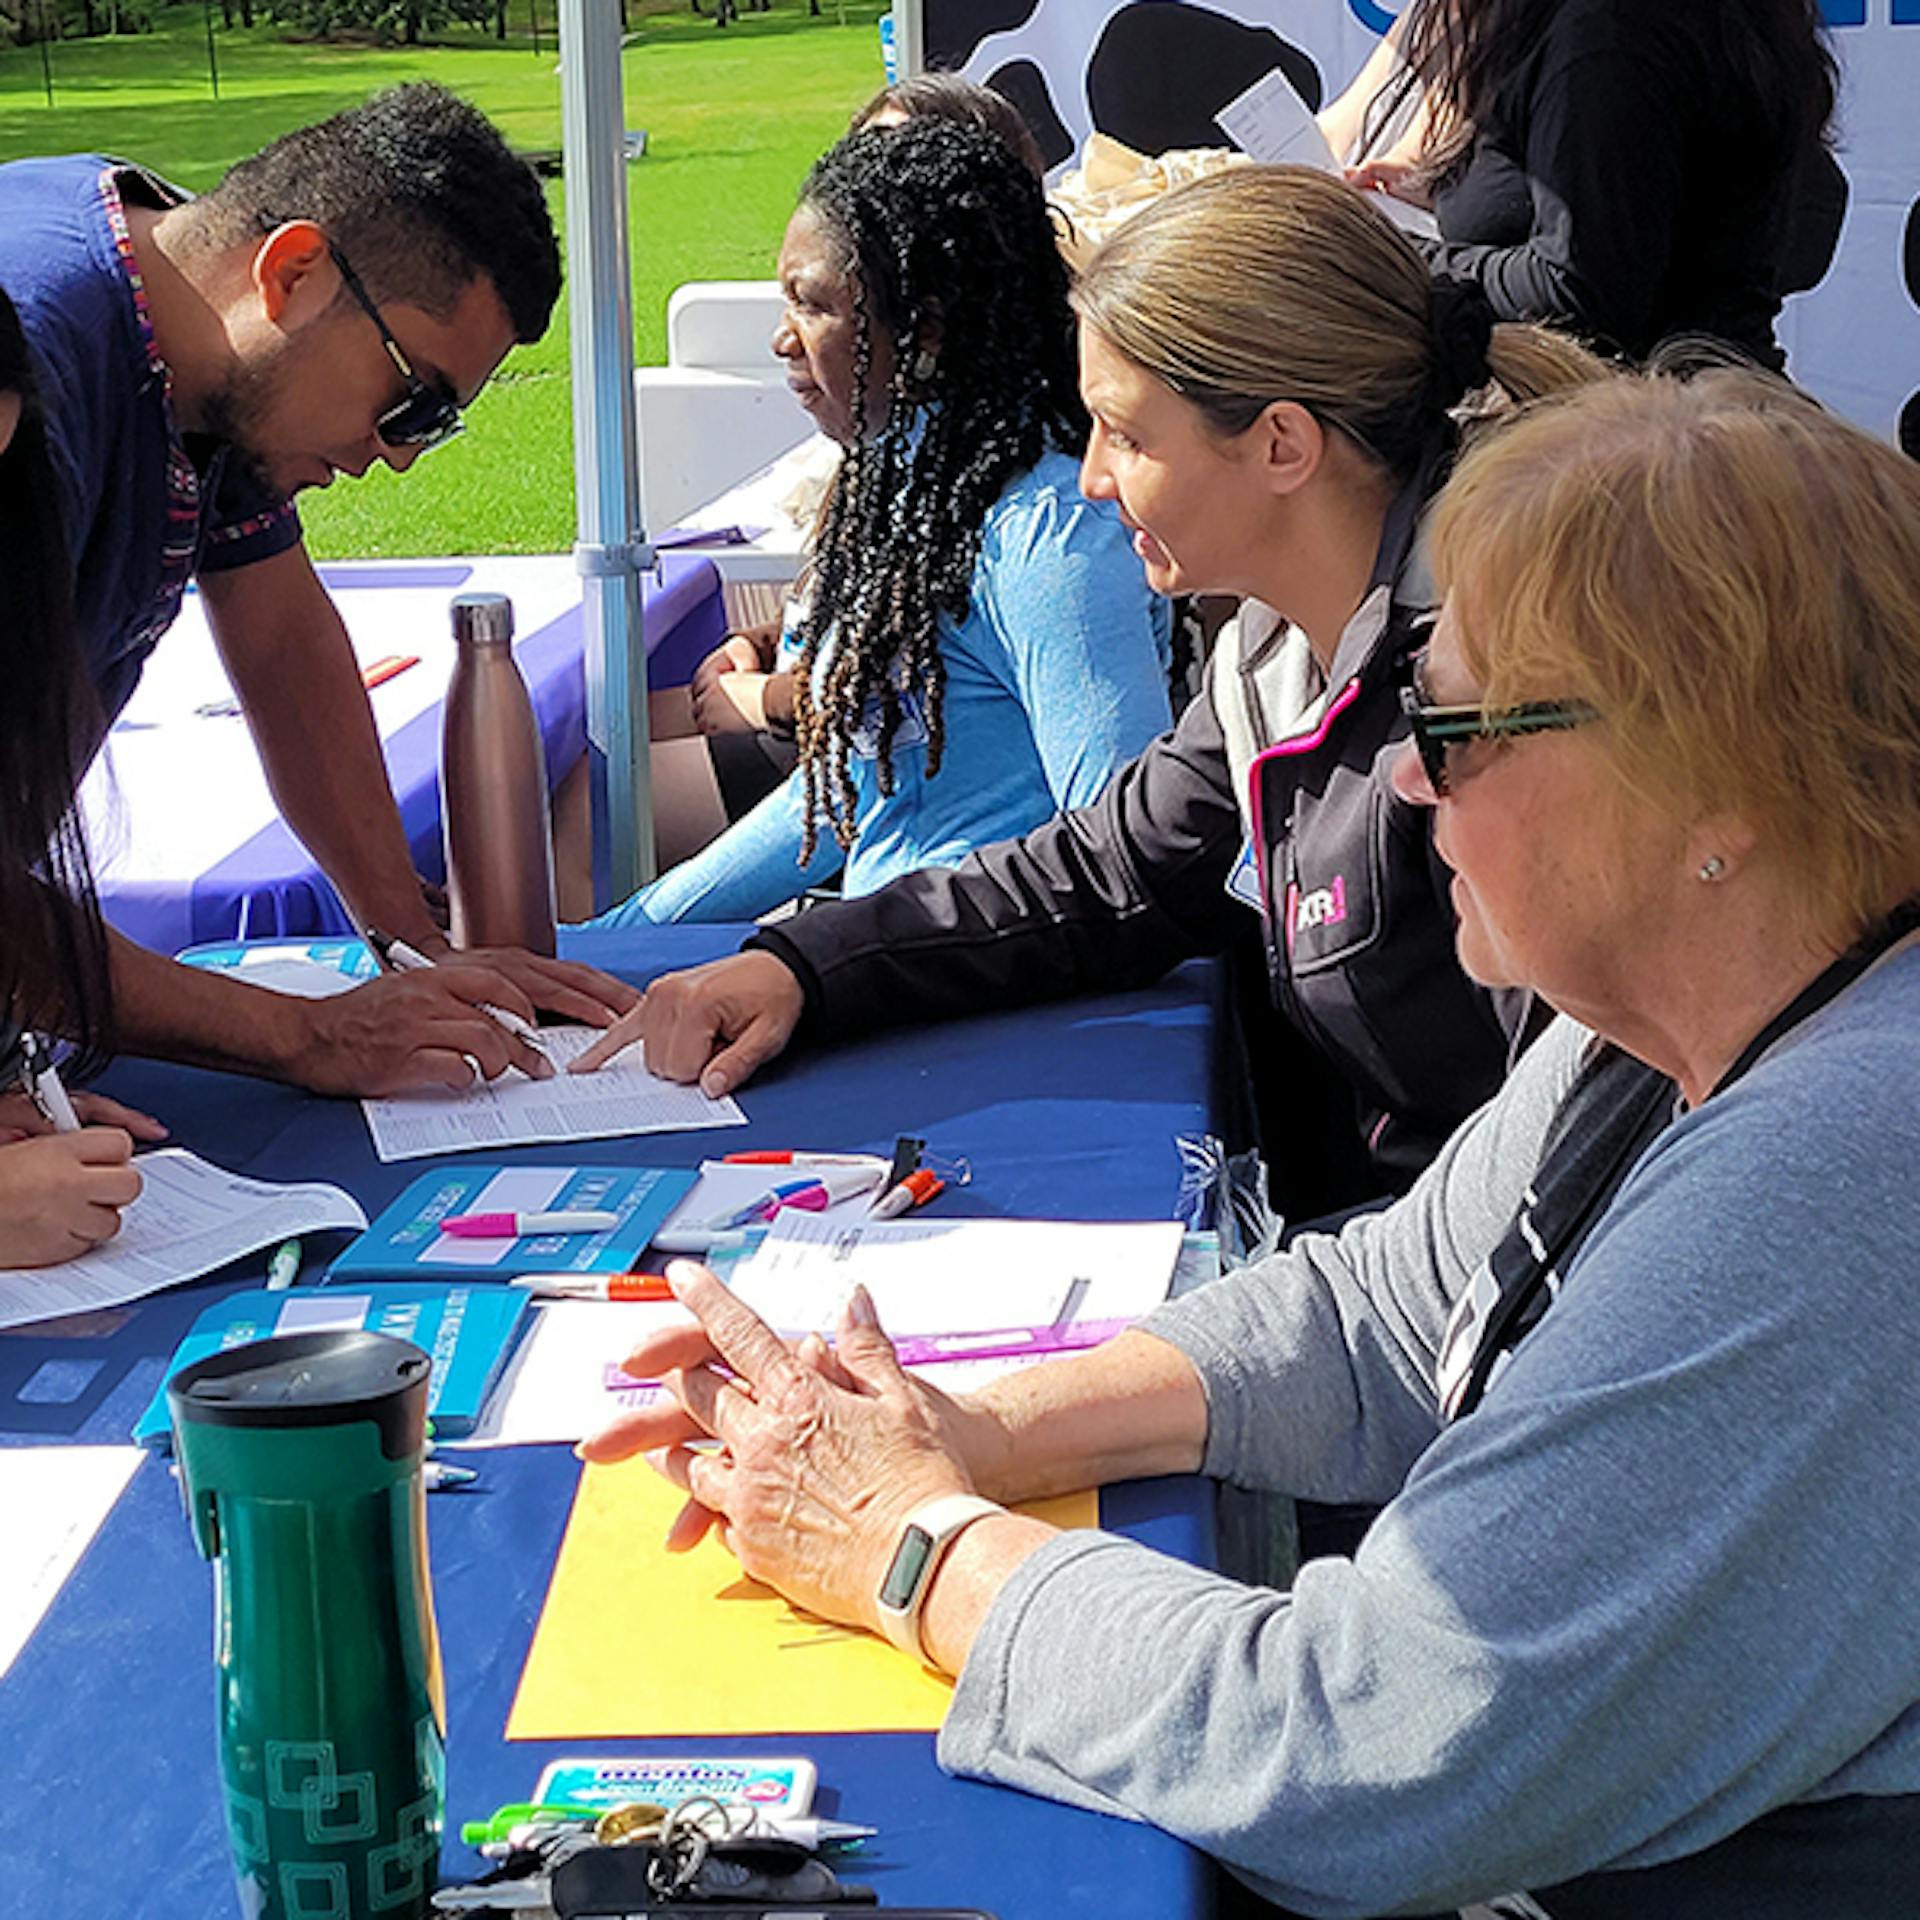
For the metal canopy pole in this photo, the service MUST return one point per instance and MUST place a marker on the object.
(611, 549)
(909, 36)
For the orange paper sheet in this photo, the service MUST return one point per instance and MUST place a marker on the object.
(637, 1642)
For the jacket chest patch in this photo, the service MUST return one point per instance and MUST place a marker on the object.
(1321, 907)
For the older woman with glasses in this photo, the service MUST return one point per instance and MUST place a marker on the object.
(1635, 1364)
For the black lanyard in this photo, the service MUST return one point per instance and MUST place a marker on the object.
(1614, 1112)
(1833, 982)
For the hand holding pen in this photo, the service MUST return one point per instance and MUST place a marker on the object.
(397, 957)
(61, 1194)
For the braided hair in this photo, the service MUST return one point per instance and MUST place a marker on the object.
(951, 251)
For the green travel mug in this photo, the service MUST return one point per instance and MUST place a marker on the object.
(300, 1466)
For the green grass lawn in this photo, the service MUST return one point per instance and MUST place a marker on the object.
(733, 120)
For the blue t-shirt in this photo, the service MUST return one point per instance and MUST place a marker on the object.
(143, 513)
(1056, 677)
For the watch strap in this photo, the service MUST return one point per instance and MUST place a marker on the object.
(922, 1544)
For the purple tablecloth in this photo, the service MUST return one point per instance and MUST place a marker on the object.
(270, 886)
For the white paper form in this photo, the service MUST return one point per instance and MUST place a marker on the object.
(560, 1385)
(190, 1217)
(55, 1499)
(958, 1276)
(555, 1386)
(514, 1111)
(1272, 124)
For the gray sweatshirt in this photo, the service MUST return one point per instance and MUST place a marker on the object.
(1659, 1583)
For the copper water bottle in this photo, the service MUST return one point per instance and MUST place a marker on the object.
(493, 782)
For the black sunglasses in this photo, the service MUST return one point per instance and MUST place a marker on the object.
(426, 415)
(1436, 729)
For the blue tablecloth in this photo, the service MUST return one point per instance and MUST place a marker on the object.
(270, 887)
(107, 1718)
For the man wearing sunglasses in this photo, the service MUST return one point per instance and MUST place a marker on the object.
(337, 300)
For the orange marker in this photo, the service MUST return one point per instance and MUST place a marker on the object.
(914, 1191)
(595, 1286)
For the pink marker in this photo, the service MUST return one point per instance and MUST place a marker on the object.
(511, 1226)
(827, 1190)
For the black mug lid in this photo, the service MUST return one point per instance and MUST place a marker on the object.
(322, 1379)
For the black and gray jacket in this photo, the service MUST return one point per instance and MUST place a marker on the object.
(1264, 827)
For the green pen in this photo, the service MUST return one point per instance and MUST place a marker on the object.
(284, 1268)
(481, 1833)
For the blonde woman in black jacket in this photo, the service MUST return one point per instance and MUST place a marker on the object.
(1273, 379)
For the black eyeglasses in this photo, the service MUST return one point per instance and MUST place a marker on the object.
(427, 415)
(1436, 729)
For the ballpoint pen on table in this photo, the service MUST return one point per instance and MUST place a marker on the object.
(283, 1269)
(405, 959)
(438, 1474)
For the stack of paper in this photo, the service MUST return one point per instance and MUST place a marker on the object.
(927, 1277)
(958, 1276)
(189, 1219)
(514, 1111)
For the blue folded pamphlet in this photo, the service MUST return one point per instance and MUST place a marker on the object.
(468, 1331)
(405, 1241)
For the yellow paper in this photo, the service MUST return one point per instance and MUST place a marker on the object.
(636, 1642)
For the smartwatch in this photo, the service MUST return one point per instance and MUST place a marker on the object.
(924, 1539)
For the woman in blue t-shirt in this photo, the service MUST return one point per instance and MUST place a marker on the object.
(978, 648)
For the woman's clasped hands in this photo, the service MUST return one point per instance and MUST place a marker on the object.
(822, 1451)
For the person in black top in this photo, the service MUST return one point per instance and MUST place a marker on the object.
(1629, 169)
(60, 1193)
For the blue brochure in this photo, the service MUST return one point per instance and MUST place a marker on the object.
(405, 1241)
(468, 1330)
(345, 954)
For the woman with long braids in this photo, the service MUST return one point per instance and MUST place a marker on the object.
(1275, 383)
(60, 1193)
(979, 648)
(1629, 169)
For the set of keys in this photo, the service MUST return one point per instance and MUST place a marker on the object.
(643, 1859)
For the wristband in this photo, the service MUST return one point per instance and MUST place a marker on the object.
(925, 1536)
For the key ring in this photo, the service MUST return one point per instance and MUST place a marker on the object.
(684, 1843)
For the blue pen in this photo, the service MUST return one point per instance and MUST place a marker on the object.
(758, 1209)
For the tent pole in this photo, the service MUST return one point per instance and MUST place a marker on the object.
(611, 550)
